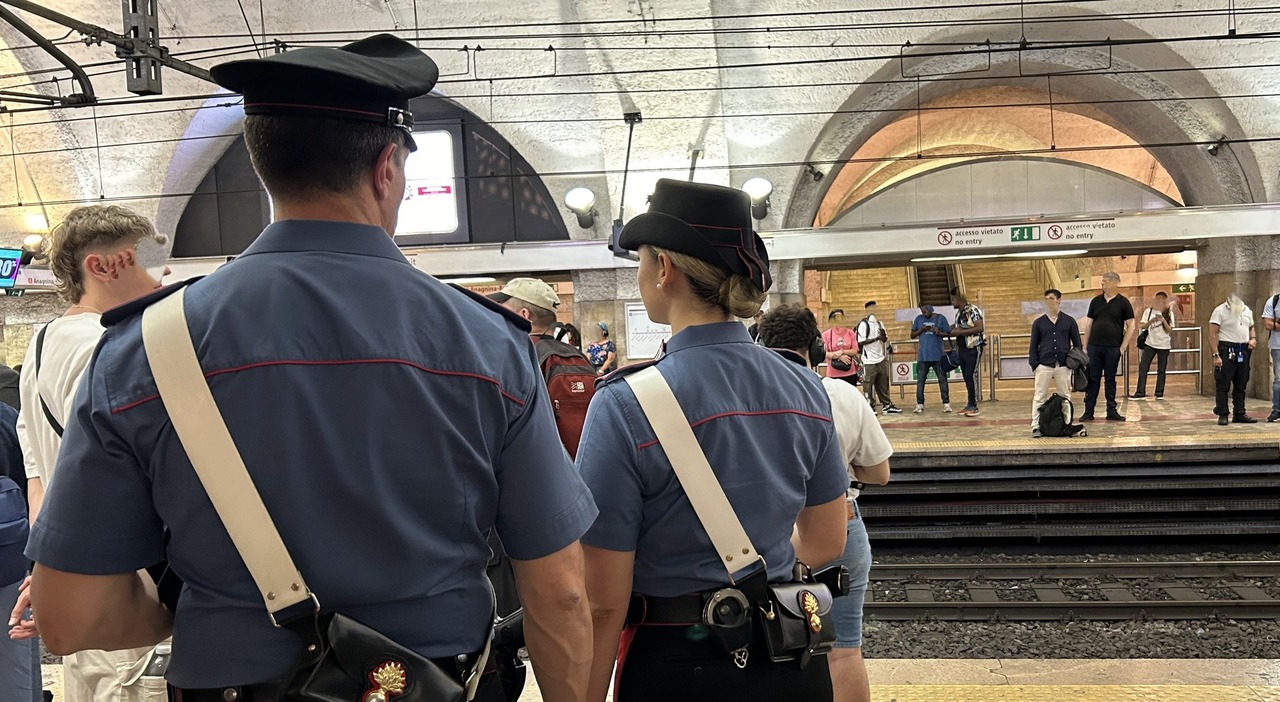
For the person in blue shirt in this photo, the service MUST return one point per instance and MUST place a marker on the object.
(930, 328)
(765, 425)
(383, 452)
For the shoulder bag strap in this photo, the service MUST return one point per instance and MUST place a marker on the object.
(203, 433)
(48, 414)
(677, 441)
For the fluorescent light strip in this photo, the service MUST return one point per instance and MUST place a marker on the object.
(1045, 254)
(469, 281)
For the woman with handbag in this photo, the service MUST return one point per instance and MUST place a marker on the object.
(1155, 340)
(701, 463)
(842, 347)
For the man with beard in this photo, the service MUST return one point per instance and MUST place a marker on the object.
(1233, 338)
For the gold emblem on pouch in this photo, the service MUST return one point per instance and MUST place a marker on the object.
(809, 603)
(388, 680)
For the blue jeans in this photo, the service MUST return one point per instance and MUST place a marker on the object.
(969, 360)
(1103, 362)
(20, 678)
(847, 611)
(1275, 383)
(922, 375)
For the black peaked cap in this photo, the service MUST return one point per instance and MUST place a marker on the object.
(712, 223)
(370, 80)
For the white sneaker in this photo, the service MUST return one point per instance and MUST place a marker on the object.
(946, 409)
(919, 409)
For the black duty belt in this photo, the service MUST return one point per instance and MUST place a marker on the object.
(273, 691)
(684, 610)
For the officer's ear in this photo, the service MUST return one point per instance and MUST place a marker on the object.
(386, 172)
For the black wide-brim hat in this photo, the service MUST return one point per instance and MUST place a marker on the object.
(370, 80)
(712, 223)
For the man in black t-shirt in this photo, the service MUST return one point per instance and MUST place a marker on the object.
(1108, 329)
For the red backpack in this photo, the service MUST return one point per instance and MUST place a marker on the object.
(571, 382)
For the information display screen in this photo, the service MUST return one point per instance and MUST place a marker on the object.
(10, 262)
(432, 211)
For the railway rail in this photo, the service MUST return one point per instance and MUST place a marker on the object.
(1058, 591)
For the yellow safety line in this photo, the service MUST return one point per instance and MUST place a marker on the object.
(1074, 693)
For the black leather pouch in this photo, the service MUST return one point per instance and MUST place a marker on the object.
(797, 623)
(344, 661)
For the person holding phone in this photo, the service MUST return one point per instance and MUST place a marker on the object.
(930, 329)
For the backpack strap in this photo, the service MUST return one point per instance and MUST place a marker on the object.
(48, 414)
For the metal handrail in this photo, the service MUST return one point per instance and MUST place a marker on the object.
(1198, 349)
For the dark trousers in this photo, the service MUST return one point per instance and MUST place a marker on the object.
(1144, 367)
(1233, 376)
(682, 664)
(875, 382)
(1103, 363)
(969, 360)
(922, 376)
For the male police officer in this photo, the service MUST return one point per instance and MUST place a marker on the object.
(382, 452)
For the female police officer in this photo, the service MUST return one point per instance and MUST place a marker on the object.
(765, 426)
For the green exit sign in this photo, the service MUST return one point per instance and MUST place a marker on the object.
(1184, 288)
(1024, 234)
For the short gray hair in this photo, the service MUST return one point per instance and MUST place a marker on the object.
(1111, 275)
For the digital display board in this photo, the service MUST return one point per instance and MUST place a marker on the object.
(10, 262)
(433, 210)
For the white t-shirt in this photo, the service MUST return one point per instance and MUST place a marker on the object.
(1158, 336)
(862, 440)
(1231, 329)
(69, 343)
(872, 351)
(1269, 311)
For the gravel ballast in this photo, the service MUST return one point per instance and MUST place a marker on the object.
(1220, 638)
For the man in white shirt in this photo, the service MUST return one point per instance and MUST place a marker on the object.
(877, 365)
(1233, 338)
(94, 255)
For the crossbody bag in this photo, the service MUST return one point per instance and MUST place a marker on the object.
(795, 617)
(341, 659)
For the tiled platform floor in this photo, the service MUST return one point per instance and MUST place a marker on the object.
(1177, 421)
(1066, 681)
(1039, 681)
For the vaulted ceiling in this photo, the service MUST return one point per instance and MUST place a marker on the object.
(757, 87)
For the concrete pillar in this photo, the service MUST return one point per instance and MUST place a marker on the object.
(1252, 263)
(788, 283)
(20, 315)
(602, 296)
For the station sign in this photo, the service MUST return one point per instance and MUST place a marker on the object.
(1184, 288)
(906, 372)
(36, 278)
(1003, 235)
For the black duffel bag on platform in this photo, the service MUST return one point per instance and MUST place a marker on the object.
(341, 659)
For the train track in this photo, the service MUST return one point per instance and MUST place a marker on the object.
(1057, 591)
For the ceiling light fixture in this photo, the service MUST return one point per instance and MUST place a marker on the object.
(759, 189)
(582, 202)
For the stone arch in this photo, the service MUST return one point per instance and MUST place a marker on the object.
(1202, 179)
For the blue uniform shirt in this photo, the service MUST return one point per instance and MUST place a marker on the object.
(383, 449)
(765, 425)
(930, 349)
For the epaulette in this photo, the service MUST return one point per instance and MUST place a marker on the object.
(116, 315)
(623, 372)
(520, 322)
